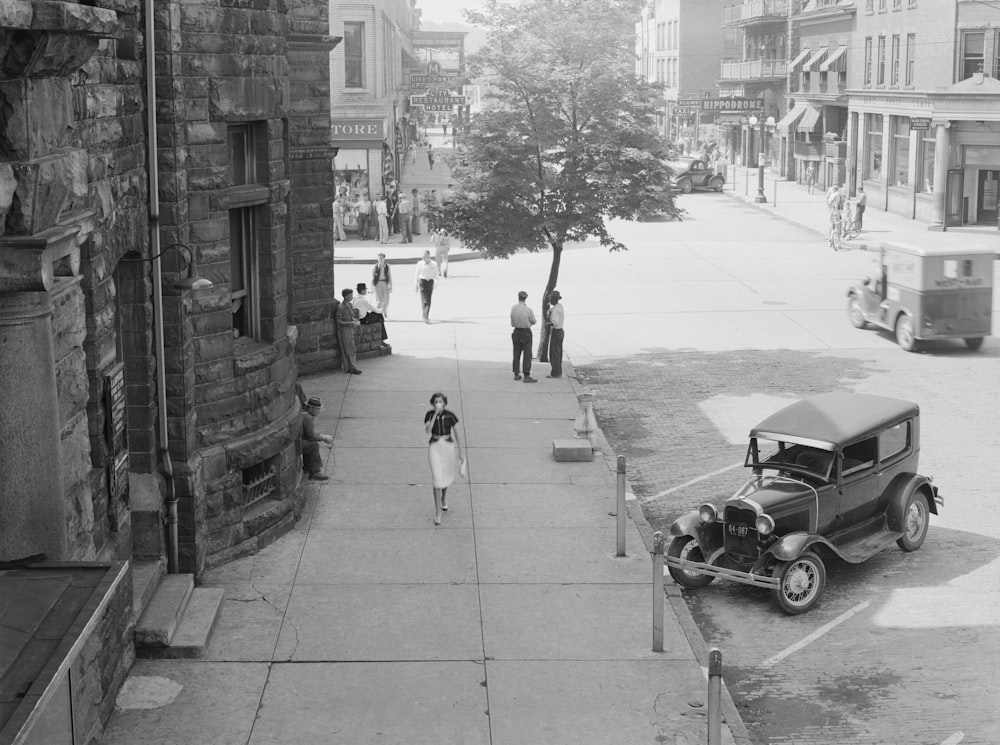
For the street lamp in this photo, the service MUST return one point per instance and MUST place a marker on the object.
(754, 121)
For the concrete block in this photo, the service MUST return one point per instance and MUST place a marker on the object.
(195, 629)
(145, 576)
(158, 623)
(572, 450)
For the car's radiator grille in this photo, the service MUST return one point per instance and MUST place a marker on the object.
(740, 535)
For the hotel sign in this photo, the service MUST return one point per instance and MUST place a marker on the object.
(358, 129)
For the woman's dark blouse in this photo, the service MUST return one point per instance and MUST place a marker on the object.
(442, 427)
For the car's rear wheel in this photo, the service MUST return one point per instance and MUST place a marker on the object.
(685, 185)
(904, 333)
(916, 519)
(974, 342)
(687, 548)
(855, 314)
(800, 583)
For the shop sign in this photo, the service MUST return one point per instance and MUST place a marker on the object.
(358, 129)
(688, 102)
(731, 104)
(920, 123)
(437, 100)
(423, 80)
(437, 107)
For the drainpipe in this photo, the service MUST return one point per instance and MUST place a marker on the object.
(154, 247)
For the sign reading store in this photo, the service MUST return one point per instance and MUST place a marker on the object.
(358, 129)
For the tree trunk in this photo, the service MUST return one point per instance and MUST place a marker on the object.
(550, 285)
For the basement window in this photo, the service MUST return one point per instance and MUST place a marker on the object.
(260, 481)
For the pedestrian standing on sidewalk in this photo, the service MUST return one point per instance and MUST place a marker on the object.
(522, 318)
(346, 321)
(427, 272)
(442, 246)
(405, 213)
(382, 282)
(860, 206)
(312, 461)
(444, 451)
(338, 219)
(382, 210)
(415, 220)
(556, 319)
(364, 214)
(810, 177)
(430, 156)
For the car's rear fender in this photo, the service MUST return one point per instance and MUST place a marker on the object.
(708, 535)
(901, 488)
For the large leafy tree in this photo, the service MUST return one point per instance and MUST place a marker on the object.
(567, 138)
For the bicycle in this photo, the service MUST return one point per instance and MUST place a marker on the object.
(834, 239)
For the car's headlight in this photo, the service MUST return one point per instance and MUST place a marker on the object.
(707, 513)
(764, 525)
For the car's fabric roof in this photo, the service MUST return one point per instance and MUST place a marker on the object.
(835, 417)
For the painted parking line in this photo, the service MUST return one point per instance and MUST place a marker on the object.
(954, 739)
(771, 661)
(694, 481)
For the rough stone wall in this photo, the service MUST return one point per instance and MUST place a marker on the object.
(230, 399)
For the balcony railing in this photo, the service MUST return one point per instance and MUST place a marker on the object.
(761, 69)
(755, 11)
(836, 150)
(808, 150)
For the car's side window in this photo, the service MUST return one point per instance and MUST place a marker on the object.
(893, 441)
(859, 456)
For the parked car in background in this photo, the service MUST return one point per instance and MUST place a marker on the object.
(834, 477)
(692, 173)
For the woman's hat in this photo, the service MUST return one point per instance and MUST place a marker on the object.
(314, 402)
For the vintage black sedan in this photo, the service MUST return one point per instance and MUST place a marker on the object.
(692, 173)
(834, 476)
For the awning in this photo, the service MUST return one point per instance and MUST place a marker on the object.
(807, 67)
(789, 119)
(809, 119)
(793, 65)
(836, 61)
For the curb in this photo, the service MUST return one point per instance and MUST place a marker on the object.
(672, 592)
(469, 256)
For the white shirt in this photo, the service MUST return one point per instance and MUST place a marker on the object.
(362, 305)
(557, 316)
(426, 270)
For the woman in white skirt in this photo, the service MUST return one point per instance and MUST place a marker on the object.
(444, 451)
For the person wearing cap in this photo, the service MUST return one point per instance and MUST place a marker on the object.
(382, 282)
(415, 199)
(405, 208)
(346, 321)
(427, 272)
(522, 318)
(367, 313)
(312, 462)
(555, 320)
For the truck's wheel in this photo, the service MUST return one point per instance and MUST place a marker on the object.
(904, 333)
(974, 342)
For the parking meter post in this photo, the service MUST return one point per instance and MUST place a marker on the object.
(620, 509)
(657, 591)
(714, 697)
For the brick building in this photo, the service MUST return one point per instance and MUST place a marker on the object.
(147, 335)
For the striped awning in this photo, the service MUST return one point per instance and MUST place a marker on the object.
(809, 119)
(788, 120)
(837, 61)
(794, 64)
(807, 67)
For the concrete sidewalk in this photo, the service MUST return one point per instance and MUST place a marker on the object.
(513, 623)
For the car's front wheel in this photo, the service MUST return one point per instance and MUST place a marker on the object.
(717, 183)
(904, 334)
(685, 185)
(855, 314)
(916, 520)
(800, 583)
(687, 548)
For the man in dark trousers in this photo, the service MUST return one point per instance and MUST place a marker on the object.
(557, 316)
(367, 313)
(346, 321)
(312, 461)
(522, 318)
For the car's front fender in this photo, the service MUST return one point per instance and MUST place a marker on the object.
(791, 546)
(708, 535)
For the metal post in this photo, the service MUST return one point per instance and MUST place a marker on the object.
(760, 198)
(746, 182)
(620, 510)
(714, 697)
(774, 194)
(657, 591)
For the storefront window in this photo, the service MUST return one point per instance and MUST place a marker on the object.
(873, 147)
(926, 163)
(901, 150)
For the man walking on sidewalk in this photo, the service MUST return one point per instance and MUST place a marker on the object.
(382, 282)
(522, 318)
(427, 272)
(557, 316)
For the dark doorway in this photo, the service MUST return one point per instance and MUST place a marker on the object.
(953, 212)
(989, 191)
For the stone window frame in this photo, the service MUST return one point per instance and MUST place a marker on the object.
(964, 58)
(869, 47)
(880, 66)
(911, 60)
(355, 58)
(894, 60)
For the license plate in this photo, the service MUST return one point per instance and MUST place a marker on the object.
(740, 531)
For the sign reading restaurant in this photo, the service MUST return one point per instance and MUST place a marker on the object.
(358, 129)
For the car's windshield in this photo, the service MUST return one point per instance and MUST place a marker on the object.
(781, 456)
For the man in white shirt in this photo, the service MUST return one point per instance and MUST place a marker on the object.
(427, 272)
(556, 319)
(367, 313)
(405, 208)
(522, 318)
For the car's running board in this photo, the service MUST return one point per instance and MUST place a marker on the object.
(859, 552)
